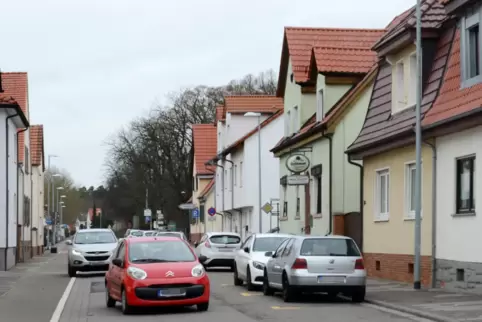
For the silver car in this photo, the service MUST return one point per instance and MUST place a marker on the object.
(179, 234)
(90, 250)
(324, 264)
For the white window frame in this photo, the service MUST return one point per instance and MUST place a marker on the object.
(404, 83)
(241, 174)
(410, 166)
(468, 21)
(379, 173)
(319, 105)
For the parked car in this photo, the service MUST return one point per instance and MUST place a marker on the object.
(91, 250)
(133, 233)
(178, 234)
(327, 264)
(250, 261)
(149, 233)
(156, 271)
(219, 248)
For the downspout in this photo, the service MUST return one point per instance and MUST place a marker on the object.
(231, 221)
(330, 169)
(7, 201)
(222, 187)
(361, 197)
(23, 186)
(222, 220)
(434, 212)
(232, 192)
(31, 212)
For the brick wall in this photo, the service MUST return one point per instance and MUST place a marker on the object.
(195, 237)
(397, 267)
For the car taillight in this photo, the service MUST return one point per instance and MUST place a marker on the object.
(207, 244)
(300, 263)
(359, 264)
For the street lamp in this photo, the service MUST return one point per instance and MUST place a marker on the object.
(258, 115)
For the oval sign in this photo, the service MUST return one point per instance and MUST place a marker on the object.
(297, 163)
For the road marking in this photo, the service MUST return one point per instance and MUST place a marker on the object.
(285, 307)
(250, 294)
(224, 285)
(63, 300)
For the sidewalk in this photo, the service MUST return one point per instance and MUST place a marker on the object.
(434, 304)
(30, 291)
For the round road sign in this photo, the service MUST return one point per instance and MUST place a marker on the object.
(212, 211)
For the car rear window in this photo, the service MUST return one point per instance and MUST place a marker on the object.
(170, 235)
(225, 239)
(267, 244)
(329, 247)
(149, 233)
(160, 251)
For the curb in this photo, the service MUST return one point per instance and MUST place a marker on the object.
(407, 310)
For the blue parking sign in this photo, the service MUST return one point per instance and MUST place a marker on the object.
(195, 213)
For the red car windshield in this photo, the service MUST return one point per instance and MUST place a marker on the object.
(160, 251)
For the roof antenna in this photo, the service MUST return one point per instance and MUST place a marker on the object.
(1, 87)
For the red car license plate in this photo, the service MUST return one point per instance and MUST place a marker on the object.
(171, 292)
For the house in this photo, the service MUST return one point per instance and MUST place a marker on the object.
(323, 110)
(251, 180)
(234, 126)
(204, 145)
(454, 126)
(386, 145)
(207, 202)
(12, 119)
(38, 206)
(15, 84)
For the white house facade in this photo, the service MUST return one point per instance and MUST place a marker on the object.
(37, 200)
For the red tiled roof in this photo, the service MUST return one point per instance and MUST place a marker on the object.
(300, 42)
(452, 100)
(205, 146)
(37, 145)
(206, 189)
(220, 113)
(252, 103)
(240, 141)
(9, 100)
(15, 84)
(343, 60)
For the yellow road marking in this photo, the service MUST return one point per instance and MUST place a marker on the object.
(250, 294)
(285, 307)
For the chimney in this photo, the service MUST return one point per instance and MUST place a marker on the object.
(1, 87)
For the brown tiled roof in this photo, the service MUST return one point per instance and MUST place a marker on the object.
(37, 145)
(343, 60)
(312, 126)
(433, 15)
(380, 125)
(298, 43)
(240, 141)
(16, 85)
(252, 103)
(205, 146)
(220, 113)
(206, 189)
(452, 100)
(9, 100)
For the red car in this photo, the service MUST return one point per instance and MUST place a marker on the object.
(156, 271)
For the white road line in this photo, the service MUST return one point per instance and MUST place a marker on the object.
(394, 312)
(60, 306)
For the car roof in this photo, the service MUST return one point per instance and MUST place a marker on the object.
(264, 235)
(90, 230)
(151, 239)
(324, 237)
(226, 233)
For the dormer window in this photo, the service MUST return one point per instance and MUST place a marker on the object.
(404, 83)
(319, 105)
(470, 48)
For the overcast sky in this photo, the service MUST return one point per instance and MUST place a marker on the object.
(94, 65)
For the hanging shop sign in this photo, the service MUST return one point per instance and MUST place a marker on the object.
(298, 180)
(297, 163)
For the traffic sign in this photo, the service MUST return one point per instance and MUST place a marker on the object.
(48, 221)
(147, 213)
(195, 213)
(212, 211)
(159, 214)
(267, 208)
(148, 219)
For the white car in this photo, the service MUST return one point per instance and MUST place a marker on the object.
(218, 248)
(250, 259)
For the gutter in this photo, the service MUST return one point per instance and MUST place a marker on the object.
(7, 201)
(330, 140)
(361, 197)
(232, 191)
(434, 212)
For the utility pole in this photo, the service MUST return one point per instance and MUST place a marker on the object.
(48, 200)
(259, 177)
(418, 151)
(94, 209)
(147, 205)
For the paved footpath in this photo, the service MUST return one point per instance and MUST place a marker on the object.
(86, 303)
(31, 291)
(437, 305)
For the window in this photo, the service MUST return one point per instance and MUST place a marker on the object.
(289, 246)
(281, 247)
(26, 161)
(121, 251)
(225, 239)
(404, 83)
(241, 173)
(316, 195)
(298, 201)
(230, 178)
(160, 251)
(287, 124)
(267, 244)
(329, 247)
(382, 195)
(285, 203)
(235, 174)
(319, 105)
(412, 88)
(295, 119)
(400, 85)
(194, 183)
(247, 243)
(410, 174)
(465, 185)
(225, 179)
(470, 47)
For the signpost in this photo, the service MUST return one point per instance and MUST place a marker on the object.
(212, 214)
(297, 180)
(297, 163)
(195, 213)
(48, 221)
(267, 208)
(147, 213)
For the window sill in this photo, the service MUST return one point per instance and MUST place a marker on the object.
(317, 216)
(464, 214)
(471, 82)
(403, 109)
(297, 217)
(284, 218)
(382, 219)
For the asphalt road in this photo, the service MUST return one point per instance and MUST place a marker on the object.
(228, 303)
